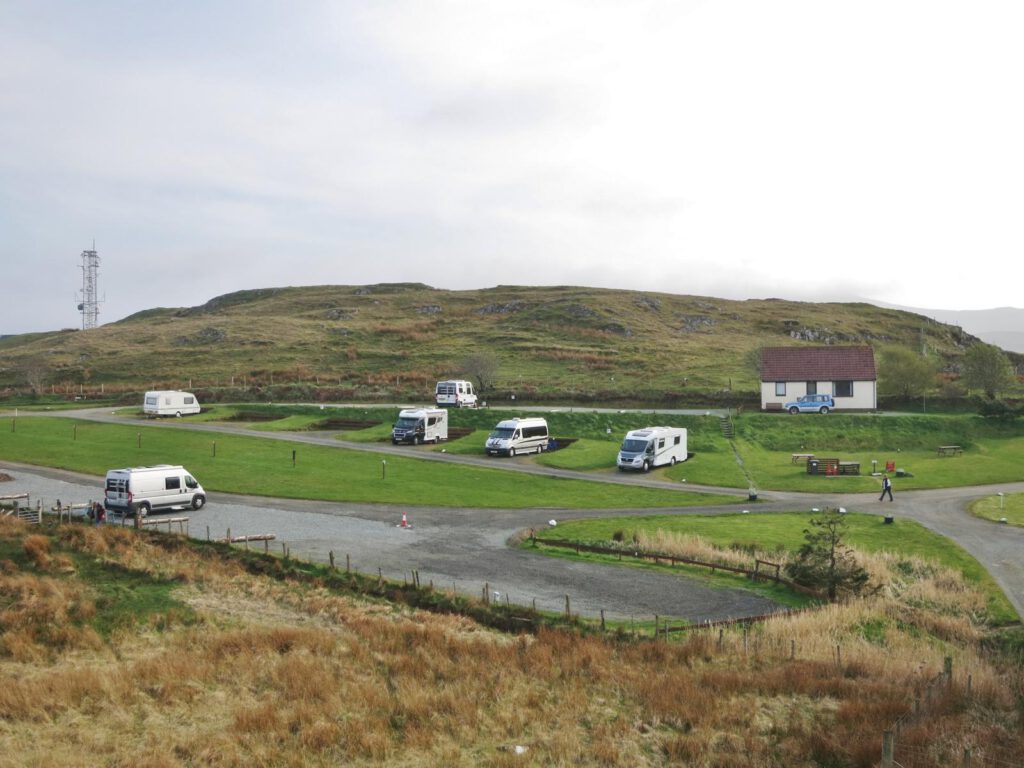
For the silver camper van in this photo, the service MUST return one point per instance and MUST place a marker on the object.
(141, 490)
(652, 447)
(420, 425)
(514, 436)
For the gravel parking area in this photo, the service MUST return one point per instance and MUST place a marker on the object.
(461, 548)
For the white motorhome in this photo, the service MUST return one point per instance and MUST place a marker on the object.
(455, 393)
(169, 403)
(514, 436)
(140, 490)
(420, 425)
(652, 447)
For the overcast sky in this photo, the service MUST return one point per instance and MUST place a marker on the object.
(804, 150)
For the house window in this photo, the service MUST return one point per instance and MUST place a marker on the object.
(843, 388)
(780, 388)
(812, 387)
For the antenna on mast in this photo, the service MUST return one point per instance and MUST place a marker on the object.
(89, 305)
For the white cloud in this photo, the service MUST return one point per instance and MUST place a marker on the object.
(804, 149)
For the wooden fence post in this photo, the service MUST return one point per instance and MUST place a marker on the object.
(887, 749)
(568, 610)
(331, 555)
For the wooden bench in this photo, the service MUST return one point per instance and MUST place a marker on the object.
(950, 450)
(802, 457)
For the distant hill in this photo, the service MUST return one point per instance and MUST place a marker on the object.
(1002, 326)
(396, 340)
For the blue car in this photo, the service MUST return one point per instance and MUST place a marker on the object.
(811, 404)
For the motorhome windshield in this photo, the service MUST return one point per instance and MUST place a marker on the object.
(634, 446)
(407, 422)
(503, 433)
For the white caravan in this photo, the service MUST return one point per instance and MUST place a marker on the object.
(518, 436)
(652, 447)
(456, 393)
(420, 425)
(170, 403)
(140, 490)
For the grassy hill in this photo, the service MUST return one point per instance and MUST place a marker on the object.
(396, 340)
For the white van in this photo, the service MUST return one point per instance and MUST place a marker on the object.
(518, 436)
(169, 403)
(455, 393)
(140, 490)
(652, 447)
(420, 425)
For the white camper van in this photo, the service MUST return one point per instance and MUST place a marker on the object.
(518, 436)
(140, 490)
(420, 425)
(652, 447)
(170, 403)
(456, 393)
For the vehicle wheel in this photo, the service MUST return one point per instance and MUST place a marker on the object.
(511, 453)
(794, 410)
(177, 415)
(824, 410)
(198, 502)
(672, 461)
(416, 440)
(647, 466)
(143, 509)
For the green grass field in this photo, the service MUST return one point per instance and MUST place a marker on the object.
(263, 467)
(759, 456)
(1009, 508)
(784, 531)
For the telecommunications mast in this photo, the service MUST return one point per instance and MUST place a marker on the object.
(90, 305)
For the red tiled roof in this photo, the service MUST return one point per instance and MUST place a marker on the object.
(817, 364)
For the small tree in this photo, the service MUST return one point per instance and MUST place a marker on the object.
(906, 374)
(482, 368)
(824, 561)
(986, 367)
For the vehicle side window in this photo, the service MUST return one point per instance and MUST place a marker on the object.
(677, 440)
(190, 482)
(172, 483)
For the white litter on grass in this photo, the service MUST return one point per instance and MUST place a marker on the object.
(746, 511)
(815, 509)
(552, 523)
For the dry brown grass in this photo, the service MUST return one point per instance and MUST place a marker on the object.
(294, 674)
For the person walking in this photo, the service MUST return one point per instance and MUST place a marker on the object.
(886, 488)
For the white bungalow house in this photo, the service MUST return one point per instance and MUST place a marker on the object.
(846, 373)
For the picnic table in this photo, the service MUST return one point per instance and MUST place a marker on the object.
(950, 450)
(802, 457)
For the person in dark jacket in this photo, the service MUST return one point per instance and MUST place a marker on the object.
(886, 488)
